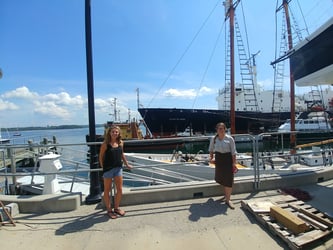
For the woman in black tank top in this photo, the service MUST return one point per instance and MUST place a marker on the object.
(111, 159)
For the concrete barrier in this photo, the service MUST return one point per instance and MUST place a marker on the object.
(170, 192)
(62, 202)
(202, 189)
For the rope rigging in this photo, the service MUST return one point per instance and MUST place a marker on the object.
(184, 53)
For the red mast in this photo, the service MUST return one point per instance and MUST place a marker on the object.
(292, 85)
(231, 12)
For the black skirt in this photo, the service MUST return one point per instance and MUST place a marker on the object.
(223, 169)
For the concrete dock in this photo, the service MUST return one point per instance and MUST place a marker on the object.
(202, 223)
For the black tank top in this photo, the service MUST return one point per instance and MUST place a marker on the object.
(112, 158)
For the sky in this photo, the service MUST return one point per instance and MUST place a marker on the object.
(155, 53)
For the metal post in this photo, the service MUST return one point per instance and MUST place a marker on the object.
(13, 170)
(4, 165)
(95, 188)
(256, 162)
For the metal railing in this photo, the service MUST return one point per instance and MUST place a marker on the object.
(77, 169)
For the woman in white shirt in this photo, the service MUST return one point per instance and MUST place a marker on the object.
(222, 151)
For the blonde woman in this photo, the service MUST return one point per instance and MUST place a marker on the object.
(222, 151)
(111, 159)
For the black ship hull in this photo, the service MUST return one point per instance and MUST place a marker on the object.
(190, 144)
(167, 122)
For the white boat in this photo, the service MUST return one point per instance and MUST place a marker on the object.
(312, 123)
(4, 141)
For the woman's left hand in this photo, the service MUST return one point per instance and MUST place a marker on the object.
(234, 169)
(129, 167)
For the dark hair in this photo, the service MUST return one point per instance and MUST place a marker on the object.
(216, 127)
(220, 124)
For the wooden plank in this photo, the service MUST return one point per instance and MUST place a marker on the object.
(313, 222)
(309, 237)
(289, 220)
(260, 206)
(316, 216)
(314, 143)
(8, 215)
(282, 233)
(292, 206)
(285, 199)
(281, 230)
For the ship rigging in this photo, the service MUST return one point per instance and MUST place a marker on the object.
(242, 106)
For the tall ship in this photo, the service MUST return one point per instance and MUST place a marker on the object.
(164, 122)
(245, 106)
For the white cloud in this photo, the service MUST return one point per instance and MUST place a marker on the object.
(102, 104)
(187, 93)
(22, 92)
(61, 105)
(52, 110)
(206, 90)
(102, 107)
(65, 99)
(5, 105)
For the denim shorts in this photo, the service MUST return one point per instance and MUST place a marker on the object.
(113, 172)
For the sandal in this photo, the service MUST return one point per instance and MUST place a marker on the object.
(119, 211)
(112, 215)
(230, 204)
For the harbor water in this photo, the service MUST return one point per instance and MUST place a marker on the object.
(71, 145)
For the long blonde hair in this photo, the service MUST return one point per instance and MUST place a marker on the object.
(107, 138)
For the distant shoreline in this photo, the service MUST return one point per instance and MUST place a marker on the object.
(51, 127)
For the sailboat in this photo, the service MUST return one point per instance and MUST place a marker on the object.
(243, 106)
(3, 140)
(17, 133)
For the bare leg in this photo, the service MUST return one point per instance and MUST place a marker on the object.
(106, 195)
(119, 187)
(227, 193)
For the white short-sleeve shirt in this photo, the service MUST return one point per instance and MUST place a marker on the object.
(226, 145)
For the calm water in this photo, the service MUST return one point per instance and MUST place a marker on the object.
(63, 136)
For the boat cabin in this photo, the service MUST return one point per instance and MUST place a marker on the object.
(315, 123)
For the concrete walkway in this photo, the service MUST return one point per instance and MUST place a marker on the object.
(195, 224)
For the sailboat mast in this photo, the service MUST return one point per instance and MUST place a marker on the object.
(231, 13)
(138, 97)
(115, 109)
(292, 85)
